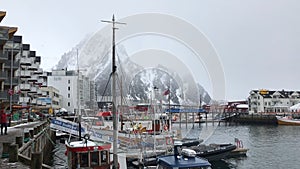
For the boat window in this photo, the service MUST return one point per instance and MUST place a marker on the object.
(84, 158)
(94, 158)
(104, 157)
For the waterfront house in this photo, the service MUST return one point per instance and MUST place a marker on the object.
(272, 101)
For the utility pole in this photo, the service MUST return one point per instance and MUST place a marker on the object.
(114, 98)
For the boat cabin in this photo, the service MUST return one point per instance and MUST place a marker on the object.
(186, 159)
(88, 154)
(182, 162)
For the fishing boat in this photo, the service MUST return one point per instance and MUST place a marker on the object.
(185, 159)
(90, 154)
(287, 120)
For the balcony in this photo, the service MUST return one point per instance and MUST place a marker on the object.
(25, 74)
(33, 78)
(3, 75)
(34, 67)
(3, 35)
(25, 61)
(9, 45)
(3, 56)
(4, 95)
(25, 87)
(14, 81)
(24, 99)
(33, 89)
(34, 101)
(15, 65)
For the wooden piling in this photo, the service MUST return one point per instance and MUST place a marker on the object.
(19, 141)
(5, 150)
(36, 160)
(13, 153)
(31, 132)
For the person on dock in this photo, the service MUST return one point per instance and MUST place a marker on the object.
(3, 121)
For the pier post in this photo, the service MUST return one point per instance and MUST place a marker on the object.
(19, 141)
(5, 149)
(35, 131)
(13, 153)
(26, 137)
(36, 160)
(31, 132)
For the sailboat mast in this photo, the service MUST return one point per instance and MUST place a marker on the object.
(114, 97)
(78, 99)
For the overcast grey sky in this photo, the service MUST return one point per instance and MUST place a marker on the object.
(257, 41)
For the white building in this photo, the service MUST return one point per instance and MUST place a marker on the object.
(270, 101)
(75, 89)
(54, 99)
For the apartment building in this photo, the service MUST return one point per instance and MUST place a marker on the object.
(21, 77)
(75, 88)
(9, 49)
(272, 101)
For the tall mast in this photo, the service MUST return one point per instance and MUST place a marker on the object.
(78, 98)
(114, 98)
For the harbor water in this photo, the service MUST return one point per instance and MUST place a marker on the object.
(270, 146)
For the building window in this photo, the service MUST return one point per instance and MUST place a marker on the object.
(69, 81)
(69, 88)
(69, 95)
(69, 104)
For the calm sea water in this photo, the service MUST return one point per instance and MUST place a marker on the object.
(270, 147)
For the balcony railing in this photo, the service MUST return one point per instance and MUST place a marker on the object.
(3, 75)
(15, 81)
(3, 95)
(33, 78)
(3, 34)
(3, 56)
(25, 86)
(25, 61)
(33, 89)
(25, 73)
(33, 67)
(24, 99)
(15, 65)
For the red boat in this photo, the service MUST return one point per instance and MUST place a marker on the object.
(90, 154)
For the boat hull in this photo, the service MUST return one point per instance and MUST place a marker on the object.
(216, 154)
(287, 121)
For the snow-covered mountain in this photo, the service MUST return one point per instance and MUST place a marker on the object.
(138, 83)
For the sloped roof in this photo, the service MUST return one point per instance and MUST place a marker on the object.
(2, 15)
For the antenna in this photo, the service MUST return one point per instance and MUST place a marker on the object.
(114, 100)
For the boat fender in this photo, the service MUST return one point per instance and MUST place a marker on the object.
(169, 140)
(166, 127)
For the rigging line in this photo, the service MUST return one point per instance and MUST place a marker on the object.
(121, 67)
(120, 85)
(106, 87)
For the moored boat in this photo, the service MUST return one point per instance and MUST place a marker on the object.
(90, 154)
(186, 159)
(287, 120)
(213, 152)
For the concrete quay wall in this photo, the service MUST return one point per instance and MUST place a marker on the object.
(254, 119)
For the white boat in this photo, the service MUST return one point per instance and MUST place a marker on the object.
(287, 120)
